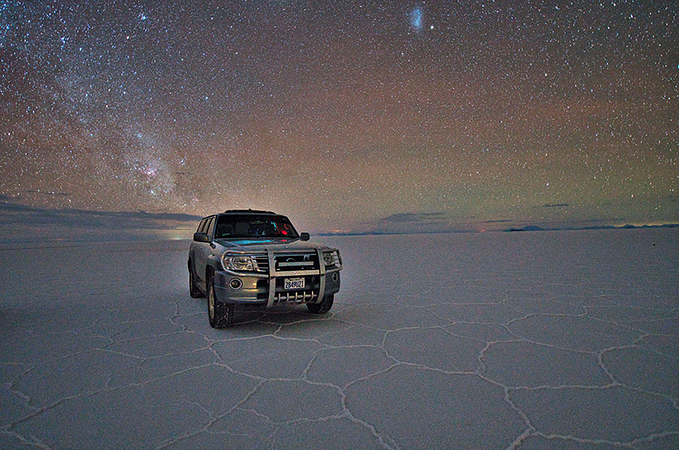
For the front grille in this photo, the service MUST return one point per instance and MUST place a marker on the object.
(263, 263)
(290, 262)
(287, 265)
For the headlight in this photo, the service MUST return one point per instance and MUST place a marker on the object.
(332, 258)
(239, 263)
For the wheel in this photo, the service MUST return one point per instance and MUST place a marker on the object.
(322, 307)
(219, 314)
(194, 291)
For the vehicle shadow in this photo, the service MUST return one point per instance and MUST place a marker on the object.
(251, 321)
(278, 315)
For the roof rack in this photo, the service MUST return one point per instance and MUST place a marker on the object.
(247, 211)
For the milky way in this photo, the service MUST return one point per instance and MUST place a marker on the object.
(348, 115)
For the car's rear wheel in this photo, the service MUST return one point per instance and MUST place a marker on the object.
(219, 314)
(194, 291)
(322, 307)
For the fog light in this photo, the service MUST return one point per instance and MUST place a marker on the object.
(236, 284)
(334, 277)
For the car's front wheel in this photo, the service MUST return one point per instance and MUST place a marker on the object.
(219, 314)
(322, 307)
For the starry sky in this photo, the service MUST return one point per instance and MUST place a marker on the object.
(350, 115)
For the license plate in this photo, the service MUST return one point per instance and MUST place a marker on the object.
(293, 283)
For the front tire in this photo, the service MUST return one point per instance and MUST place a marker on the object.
(322, 307)
(219, 314)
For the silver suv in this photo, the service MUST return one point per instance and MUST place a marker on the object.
(257, 258)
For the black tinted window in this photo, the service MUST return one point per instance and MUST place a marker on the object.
(254, 226)
(210, 227)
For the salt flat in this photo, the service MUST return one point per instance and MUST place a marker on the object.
(493, 340)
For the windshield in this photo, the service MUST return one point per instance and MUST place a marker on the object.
(251, 226)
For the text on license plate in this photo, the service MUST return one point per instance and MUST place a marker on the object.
(294, 283)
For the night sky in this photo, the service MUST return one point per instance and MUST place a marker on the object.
(345, 115)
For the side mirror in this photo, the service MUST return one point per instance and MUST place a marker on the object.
(200, 237)
(304, 236)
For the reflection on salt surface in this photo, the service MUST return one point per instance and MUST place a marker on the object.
(494, 340)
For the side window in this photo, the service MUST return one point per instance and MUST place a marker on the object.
(201, 226)
(211, 227)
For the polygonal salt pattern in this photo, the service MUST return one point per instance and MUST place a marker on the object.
(559, 340)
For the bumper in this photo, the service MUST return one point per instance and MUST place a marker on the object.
(268, 290)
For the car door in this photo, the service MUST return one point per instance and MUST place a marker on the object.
(203, 249)
(194, 251)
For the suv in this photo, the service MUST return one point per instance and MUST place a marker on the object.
(257, 258)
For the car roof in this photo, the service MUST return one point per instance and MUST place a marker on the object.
(245, 212)
(249, 211)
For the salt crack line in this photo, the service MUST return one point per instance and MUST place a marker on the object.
(212, 421)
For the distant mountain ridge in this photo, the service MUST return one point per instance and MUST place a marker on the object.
(508, 230)
(594, 227)
(17, 213)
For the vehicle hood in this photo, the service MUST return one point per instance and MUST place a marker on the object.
(276, 244)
